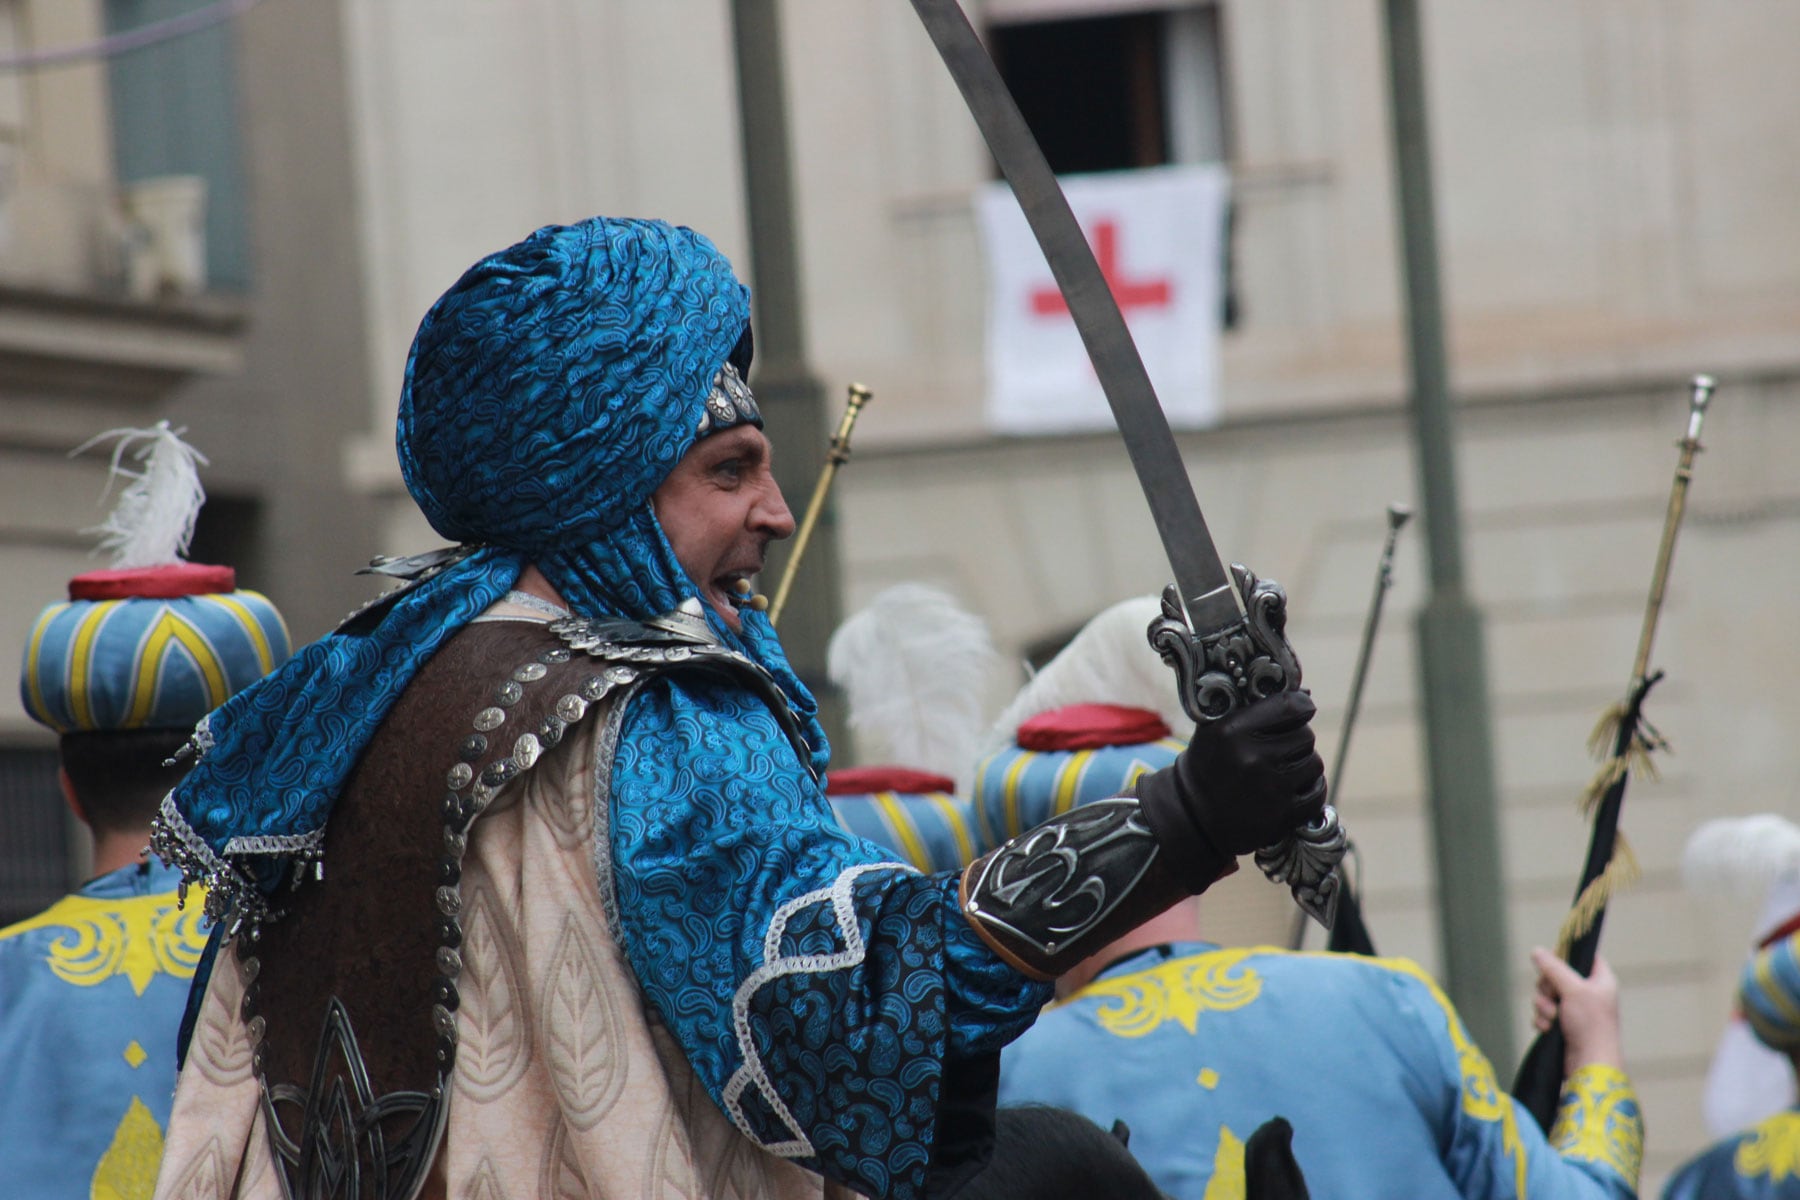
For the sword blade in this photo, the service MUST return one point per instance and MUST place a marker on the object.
(1206, 587)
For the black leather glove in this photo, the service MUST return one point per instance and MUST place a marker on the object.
(1244, 782)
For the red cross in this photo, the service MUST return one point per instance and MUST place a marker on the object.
(1130, 293)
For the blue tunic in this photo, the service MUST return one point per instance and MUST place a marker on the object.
(91, 995)
(1194, 1046)
(1761, 1163)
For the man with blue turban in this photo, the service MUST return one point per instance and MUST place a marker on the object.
(529, 883)
(92, 989)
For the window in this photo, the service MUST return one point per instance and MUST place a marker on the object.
(1119, 86)
(229, 531)
(174, 113)
(1117, 91)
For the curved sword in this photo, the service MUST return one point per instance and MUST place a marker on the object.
(1222, 631)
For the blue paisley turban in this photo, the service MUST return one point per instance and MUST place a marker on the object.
(548, 393)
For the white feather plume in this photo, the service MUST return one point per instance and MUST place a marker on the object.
(152, 521)
(915, 667)
(1110, 661)
(1741, 856)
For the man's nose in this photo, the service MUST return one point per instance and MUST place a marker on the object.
(771, 514)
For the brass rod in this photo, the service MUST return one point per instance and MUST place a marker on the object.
(1665, 553)
(836, 455)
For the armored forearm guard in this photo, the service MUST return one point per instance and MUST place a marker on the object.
(1058, 892)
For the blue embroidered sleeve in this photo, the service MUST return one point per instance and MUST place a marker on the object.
(1493, 1149)
(818, 988)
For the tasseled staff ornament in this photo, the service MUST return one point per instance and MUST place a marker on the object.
(1622, 728)
(1610, 865)
(1624, 741)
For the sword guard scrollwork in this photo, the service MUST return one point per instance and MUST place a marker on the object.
(1226, 669)
(1235, 666)
(1307, 861)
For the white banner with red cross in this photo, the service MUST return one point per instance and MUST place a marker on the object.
(1160, 237)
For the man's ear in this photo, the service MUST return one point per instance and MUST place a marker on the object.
(69, 797)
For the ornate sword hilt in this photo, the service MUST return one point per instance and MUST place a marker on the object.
(1226, 669)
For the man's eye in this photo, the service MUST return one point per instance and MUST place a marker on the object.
(731, 469)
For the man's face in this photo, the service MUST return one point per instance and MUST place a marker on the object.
(720, 509)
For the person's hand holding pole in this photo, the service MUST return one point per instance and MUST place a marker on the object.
(1587, 1008)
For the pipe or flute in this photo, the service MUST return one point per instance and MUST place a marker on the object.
(836, 455)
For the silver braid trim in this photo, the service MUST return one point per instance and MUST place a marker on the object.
(229, 892)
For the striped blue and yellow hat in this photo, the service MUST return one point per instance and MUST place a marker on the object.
(1769, 989)
(154, 642)
(157, 648)
(1063, 758)
(916, 814)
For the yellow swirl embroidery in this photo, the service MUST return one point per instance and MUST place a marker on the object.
(1227, 1181)
(1772, 1149)
(1599, 1121)
(1481, 1094)
(127, 1171)
(1179, 990)
(137, 937)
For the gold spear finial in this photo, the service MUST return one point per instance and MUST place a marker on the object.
(836, 455)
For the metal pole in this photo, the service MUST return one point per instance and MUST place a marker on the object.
(1452, 659)
(792, 399)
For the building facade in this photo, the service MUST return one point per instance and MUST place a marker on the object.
(1614, 194)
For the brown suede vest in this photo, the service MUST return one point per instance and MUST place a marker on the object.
(351, 997)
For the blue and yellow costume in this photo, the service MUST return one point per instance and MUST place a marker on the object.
(1763, 1162)
(92, 989)
(91, 995)
(1194, 1046)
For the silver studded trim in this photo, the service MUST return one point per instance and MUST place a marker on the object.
(669, 641)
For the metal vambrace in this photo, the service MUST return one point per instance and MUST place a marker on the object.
(1058, 892)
